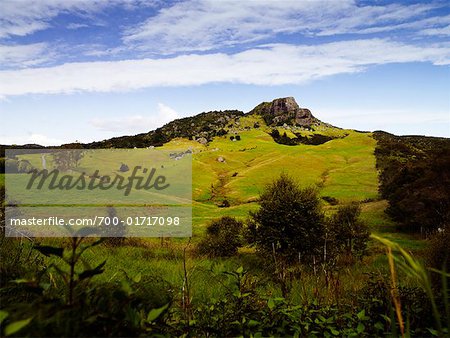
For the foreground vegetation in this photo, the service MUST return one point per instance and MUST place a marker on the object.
(171, 288)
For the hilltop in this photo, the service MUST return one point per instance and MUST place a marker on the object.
(207, 125)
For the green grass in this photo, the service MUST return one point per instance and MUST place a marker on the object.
(342, 168)
(380, 224)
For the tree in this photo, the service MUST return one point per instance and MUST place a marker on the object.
(223, 238)
(67, 159)
(347, 233)
(290, 220)
(113, 229)
(438, 253)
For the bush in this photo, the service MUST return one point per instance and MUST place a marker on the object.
(349, 235)
(73, 306)
(438, 252)
(114, 229)
(225, 204)
(289, 221)
(330, 200)
(223, 238)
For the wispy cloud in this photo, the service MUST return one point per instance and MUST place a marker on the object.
(268, 65)
(21, 18)
(200, 25)
(12, 56)
(74, 25)
(137, 123)
(444, 31)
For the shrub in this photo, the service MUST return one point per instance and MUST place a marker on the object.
(438, 252)
(223, 238)
(330, 200)
(349, 235)
(113, 228)
(41, 308)
(225, 204)
(290, 220)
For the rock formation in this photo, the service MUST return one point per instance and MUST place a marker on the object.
(285, 110)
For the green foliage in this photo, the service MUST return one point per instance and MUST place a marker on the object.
(39, 306)
(223, 238)
(375, 297)
(290, 220)
(67, 159)
(207, 125)
(115, 230)
(348, 234)
(17, 166)
(438, 252)
(314, 139)
(70, 258)
(415, 172)
(243, 312)
(414, 269)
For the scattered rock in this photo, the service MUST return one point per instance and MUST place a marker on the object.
(202, 140)
(123, 168)
(220, 159)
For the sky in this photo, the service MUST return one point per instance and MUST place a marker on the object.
(88, 70)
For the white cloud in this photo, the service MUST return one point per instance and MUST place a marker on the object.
(209, 24)
(20, 17)
(137, 123)
(443, 31)
(73, 25)
(23, 55)
(31, 138)
(269, 65)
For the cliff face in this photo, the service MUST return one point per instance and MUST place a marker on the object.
(284, 110)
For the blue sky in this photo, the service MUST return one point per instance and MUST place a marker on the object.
(88, 70)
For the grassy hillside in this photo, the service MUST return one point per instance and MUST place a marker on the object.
(341, 168)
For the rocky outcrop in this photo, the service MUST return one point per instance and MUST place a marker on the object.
(284, 111)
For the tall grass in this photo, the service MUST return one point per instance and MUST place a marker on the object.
(413, 268)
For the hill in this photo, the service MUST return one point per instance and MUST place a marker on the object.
(235, 154)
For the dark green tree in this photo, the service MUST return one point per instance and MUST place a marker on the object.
(223, 238)
(347, 233)
(290, 220)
